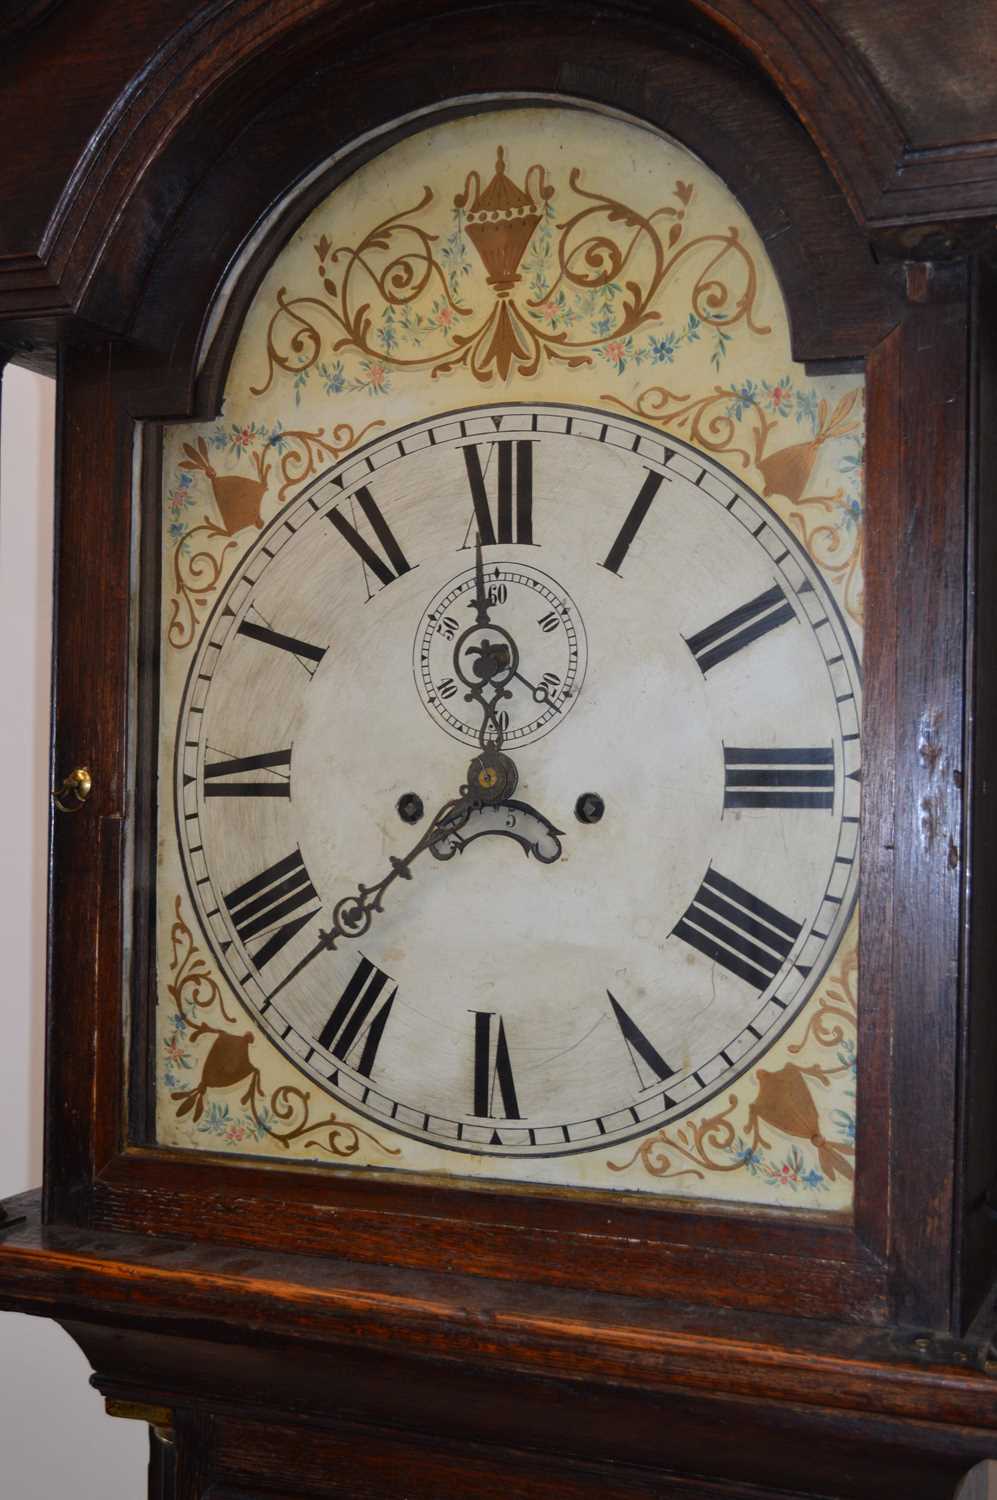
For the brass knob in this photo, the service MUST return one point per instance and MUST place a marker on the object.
(74, 791)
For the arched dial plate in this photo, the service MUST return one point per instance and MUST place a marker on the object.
(695, 674)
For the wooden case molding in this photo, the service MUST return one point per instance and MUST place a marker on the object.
(567, 1347)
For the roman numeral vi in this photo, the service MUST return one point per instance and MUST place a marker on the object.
(492, 1069)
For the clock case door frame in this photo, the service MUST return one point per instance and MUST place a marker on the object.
(907, 1256)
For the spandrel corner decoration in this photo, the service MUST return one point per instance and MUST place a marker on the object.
(517, 498)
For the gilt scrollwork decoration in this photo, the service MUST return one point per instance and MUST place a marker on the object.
(605, 249)
(737, 1137)
(199, 551)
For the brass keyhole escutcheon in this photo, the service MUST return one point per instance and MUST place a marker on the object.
(74, 791)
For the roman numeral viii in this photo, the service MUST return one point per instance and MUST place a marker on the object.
(732, 927)
(353, 1032)
(220, 776)
(274, 905)
(794, 778)
(492, 1069)
(731, 633)
(391, 562)
(513, 521)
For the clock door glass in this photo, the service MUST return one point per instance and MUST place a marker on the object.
(510, 756)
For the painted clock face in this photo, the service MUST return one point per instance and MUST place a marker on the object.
(526, 855)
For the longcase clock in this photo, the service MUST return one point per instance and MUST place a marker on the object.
(518, 1009)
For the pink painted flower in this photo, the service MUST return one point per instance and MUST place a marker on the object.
(615, 351)
(174, 1050)
(549, 310)
(376, 375)
(446, 316)
(235, 1133)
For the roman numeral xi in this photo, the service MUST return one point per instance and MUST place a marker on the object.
(388, 564)
(730, 926)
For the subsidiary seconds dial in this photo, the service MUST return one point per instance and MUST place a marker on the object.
(584, 607)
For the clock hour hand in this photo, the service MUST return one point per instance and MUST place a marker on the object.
(352, 915)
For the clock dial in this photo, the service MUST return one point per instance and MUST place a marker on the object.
(509, 975)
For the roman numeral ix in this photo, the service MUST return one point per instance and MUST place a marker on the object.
(387, 567)
(513, 521)
(219, 774)
(354, 1030)
(732, 927)
(731, 633)
(272, 906)
(794, 778)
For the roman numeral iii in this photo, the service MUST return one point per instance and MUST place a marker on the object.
(513, 521)
(731, 633)
(273, 906)
(386, 566)
(732, 927)
(493, 1080)
(354, 1030)
(792, 778)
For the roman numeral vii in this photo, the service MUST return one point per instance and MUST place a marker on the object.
(354, 1029)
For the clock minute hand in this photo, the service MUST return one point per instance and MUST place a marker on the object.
(352, 915)
(481, 594)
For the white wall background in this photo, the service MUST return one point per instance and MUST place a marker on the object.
(54, 1437)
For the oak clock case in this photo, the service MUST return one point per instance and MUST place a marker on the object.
(512, 735)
